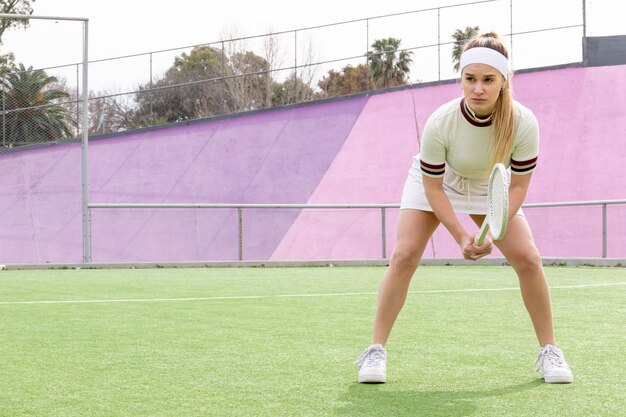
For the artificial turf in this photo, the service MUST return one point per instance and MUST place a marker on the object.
(282, 342)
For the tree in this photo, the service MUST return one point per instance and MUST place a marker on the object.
(292, 90)
(111, 112)
(460, 39)
(248, 85)
(347, 81)
(252, 84)
(192, 88)
(389, 66)
(210, 81)
(249, 82)
(303, 77)
(13, 7)
(274, 56)
(33, 113)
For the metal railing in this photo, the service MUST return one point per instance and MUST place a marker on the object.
(382, 207)
(603, 203)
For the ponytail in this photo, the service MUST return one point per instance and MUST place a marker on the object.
(503, 117)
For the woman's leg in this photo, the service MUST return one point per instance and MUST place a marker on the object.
(519, 249)
(414, 230)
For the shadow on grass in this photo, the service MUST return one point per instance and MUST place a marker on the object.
(374, 400)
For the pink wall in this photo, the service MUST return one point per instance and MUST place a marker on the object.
(583, 148)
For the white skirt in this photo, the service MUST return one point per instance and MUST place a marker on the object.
(414, 197)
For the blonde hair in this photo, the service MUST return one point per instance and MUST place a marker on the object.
(503, 116)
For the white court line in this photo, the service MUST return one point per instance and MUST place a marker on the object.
(257, 297)
(134, 300)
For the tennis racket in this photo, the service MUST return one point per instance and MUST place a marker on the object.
(498, 206)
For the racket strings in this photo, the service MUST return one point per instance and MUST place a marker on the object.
(498, 206)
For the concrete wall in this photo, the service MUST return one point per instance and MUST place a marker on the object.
(605, 50)
(355, 150)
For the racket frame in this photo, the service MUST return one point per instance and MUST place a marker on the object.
(498, 171)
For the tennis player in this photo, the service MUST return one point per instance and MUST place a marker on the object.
(461, 143)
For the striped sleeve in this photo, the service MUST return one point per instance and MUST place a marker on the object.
(522, 167)
(432, 170)
(432, 151)
(526, 146)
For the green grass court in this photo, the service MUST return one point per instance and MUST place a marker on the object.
(282, 342)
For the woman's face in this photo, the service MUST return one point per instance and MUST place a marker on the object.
(481, 87)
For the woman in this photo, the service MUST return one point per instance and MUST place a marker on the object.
(461, 142)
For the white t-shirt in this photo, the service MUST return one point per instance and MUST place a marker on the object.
(457, 147)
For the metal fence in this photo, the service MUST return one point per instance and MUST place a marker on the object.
(256, 72)
(375, 233)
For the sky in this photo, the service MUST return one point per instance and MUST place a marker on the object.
(119, 28)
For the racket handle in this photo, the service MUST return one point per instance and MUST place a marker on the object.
(482, 233)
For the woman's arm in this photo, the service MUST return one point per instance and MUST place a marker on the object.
(442, 208)
(517, 192)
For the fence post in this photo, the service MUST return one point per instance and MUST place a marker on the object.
(295, 68)
(85, 147)
(77, 101)
(223, 89)
(4, 115)
(438, 43)
(604, 231)
(511, 20)
(585, 61)
(384, 232)
(240, 233)
(151, 92)
(367, 50)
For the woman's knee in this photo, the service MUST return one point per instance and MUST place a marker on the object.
(528, 262)
(404, 258)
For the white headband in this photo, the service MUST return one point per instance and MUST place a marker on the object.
(486, 56)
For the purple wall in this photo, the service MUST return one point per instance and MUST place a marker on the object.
(40, 205)
(354, 150)
(270, 157)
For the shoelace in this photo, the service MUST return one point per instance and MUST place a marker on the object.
(551, 354)
(371, 357)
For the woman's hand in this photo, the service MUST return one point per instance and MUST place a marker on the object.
(472, 251)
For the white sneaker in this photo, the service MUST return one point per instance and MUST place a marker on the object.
(373, 365)
(552, 367)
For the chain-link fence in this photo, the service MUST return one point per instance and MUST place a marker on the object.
(41, 105)
(257, 72)
(34, 111)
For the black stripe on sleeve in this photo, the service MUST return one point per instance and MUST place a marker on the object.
(437, 174)
(523, 169)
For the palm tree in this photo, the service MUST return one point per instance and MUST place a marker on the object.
(460, 38)
(389, 67)
(30, 113)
